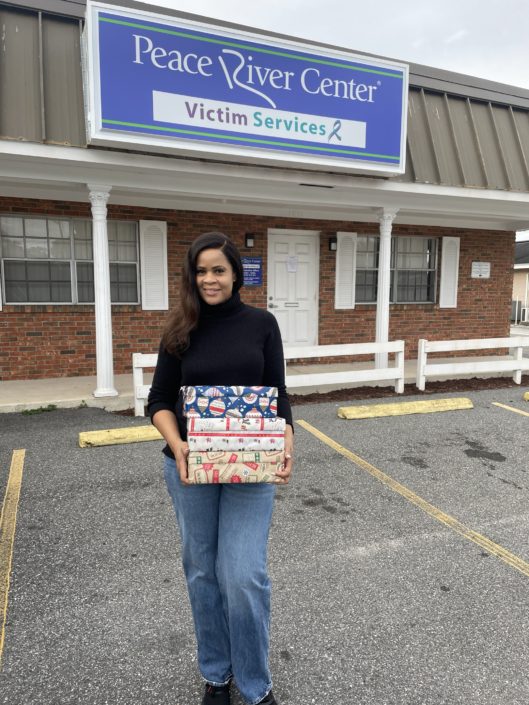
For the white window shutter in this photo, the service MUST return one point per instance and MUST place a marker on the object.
(449, 272)
(153, 259)
(345, 270)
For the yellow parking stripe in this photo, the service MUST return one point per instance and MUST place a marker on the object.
(511, 408)
(430, 406)
(449, 521)
(8, 523)
(115, 436)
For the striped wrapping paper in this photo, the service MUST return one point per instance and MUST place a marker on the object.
(235, 434)
(235, 440)
(228, 423)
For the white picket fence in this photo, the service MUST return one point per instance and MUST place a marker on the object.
(141, 362)
(516, 364)
(393, 374)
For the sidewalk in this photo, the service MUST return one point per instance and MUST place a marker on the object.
(520, 329)
(74, 392)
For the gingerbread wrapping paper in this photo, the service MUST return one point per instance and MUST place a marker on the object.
(217, 467)
(221, 457)
(240, 473)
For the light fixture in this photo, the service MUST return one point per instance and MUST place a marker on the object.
(333, 244)
(249, 240)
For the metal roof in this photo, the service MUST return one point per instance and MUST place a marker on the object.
(462, 131)
(41, 91)
(456, 141)
(66, 8)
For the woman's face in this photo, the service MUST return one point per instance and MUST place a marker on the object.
(215, 276)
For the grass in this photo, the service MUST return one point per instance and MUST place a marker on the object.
(40, 410)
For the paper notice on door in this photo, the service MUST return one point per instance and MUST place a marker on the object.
(292, 264)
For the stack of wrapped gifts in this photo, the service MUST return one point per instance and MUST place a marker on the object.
(233, 433)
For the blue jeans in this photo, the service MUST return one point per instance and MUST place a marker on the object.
(224, 532)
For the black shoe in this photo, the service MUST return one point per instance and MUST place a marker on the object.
(217, 695)
(269, 700)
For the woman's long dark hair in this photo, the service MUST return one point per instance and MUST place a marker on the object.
(184, 318)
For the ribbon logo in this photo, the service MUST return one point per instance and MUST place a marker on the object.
(335, 131)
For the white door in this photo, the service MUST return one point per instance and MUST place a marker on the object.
(293, 278)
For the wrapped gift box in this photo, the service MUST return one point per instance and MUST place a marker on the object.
(250, 405)
(237, 472)
(228, 423)
(244, 466)
(191, 392)
(235, 440)
(250, 458)
(233, 434)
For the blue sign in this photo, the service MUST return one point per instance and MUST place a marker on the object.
(253, 271)
(196, 87)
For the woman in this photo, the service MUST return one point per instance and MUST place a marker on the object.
(212, 338)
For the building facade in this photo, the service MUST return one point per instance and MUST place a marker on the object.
(92, 233)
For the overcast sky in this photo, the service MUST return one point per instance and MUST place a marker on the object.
(486, 38)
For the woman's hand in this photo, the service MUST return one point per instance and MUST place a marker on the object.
(165, 422)
(181, 451)
(283, 476)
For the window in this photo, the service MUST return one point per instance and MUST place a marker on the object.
(123, 254)
(37, 281)
(413, 269)
(123, 246)
(366, 269)
(47, 260)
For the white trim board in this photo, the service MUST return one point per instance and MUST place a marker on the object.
(44, 171)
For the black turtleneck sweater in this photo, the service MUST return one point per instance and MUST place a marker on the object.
(233, 344)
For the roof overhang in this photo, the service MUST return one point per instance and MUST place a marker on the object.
(30, 170)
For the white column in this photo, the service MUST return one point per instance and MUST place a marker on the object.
(99, 194)
(385, 218)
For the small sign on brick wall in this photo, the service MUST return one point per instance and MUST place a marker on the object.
(253, 271)
(480, 270)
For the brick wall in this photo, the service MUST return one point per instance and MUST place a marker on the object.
(55, 341)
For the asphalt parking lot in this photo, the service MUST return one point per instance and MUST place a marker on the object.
(399, 578)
